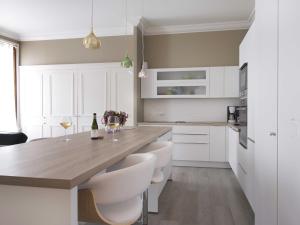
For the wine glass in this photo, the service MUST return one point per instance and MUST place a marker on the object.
(66, 122)
(113, 123)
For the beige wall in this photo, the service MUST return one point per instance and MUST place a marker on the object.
(68, 51)
(219, 48)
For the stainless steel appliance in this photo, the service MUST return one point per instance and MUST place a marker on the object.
(232, 114)
(243, 81)
(242, 121)
(242, 110)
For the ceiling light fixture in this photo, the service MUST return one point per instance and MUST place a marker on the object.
(91, 41)
(126, 62)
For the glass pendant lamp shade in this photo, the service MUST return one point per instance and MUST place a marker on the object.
(91, 41)
(126, 62)
(142, 73)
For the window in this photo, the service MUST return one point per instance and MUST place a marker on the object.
(8, 96)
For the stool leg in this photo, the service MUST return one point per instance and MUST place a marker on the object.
(144, 217)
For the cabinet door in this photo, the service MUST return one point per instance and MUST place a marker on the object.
(147, 84)
(231, 78)
(289, 114)
(31, 103)
(92, 96)
(217, 144)
(191, 152)
(233, 143)
(60, 100)
(266, 122)
(122, 93)
(216, 82)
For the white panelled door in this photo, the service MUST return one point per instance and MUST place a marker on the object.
(31, 103)
(289, 113)
(60, 100)
(266, 16)
(92, 89)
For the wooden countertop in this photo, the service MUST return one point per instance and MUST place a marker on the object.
(54, 163)
(212, 123)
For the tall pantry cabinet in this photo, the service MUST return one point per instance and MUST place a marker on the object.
(49, 93)
(277, 180)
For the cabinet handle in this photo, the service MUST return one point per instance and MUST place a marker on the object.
(272, 134)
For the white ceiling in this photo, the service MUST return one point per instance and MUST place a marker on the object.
(52, 19)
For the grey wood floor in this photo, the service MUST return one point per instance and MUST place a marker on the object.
(203, 196)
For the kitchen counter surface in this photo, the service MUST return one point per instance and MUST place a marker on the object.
(54, 163)
(212, 123)
(185, 123)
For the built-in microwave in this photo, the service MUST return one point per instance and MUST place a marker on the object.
(243, 81)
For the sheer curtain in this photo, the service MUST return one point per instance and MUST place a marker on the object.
(8, 120)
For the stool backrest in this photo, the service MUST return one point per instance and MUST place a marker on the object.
(12, 138)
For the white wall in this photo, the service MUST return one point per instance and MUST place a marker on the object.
(187, 109)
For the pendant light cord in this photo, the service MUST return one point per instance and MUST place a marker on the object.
(92, 16)
(143, 45)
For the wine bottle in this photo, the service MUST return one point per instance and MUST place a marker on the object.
(94, 130)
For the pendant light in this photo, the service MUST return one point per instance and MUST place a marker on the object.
(91, 41)
(142, 73)
(126, 62)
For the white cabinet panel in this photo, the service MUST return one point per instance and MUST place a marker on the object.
(233, 143)
(123, 87)
(147, 84)
(217, 144)
(289, 113)
(266, 16)
(60, 93)
(92, 92)
(190, 130)
(217, 82)
(31, 103)
(191, 152)
(187, 138)
(231, 80)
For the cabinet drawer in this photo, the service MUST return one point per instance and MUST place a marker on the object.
(190, 130)
(242, 158)
(191, 139)
(191, 152)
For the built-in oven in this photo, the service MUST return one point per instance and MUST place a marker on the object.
(243, 81)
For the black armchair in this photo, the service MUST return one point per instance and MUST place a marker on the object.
(12, 138)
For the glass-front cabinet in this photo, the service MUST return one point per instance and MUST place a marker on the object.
(181, 83)
(195, 82)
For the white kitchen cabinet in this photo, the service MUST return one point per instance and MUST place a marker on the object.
(206, 82)
(190, 152)
(289, 114)
(31, 103)
(49, 93)
(217, 145)
(233, 145)
(147, 84)
(266, 202)
(121, 93)
(250, 182)
(92, 96)
(224, 82)
(59, 100)
(217, 82)
(231, 80)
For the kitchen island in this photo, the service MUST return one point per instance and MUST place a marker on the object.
(39, 180)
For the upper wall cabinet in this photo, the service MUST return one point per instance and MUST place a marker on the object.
(214, 82)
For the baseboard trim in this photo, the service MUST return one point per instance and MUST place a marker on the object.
(223, 165)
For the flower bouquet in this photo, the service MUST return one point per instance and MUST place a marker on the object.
(121, 115)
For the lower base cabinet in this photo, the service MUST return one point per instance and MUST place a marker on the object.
(191, 152)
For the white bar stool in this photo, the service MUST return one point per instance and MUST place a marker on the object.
(163, 152)
(115, 197)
